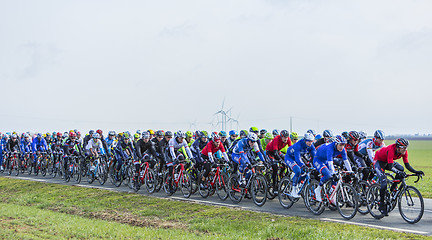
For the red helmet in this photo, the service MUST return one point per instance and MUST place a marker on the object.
(72, 134)
(59, 134)
(99, 131)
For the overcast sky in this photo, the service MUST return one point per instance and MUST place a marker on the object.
(127, 65)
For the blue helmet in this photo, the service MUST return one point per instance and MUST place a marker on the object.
(311, 131)
(328, 133)
(222, 134)
(233, 132)
(340, 139)
(309, 137)
(318, 136)
(379, 134)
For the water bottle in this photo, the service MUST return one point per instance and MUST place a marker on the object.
(175, 175)
(71, 168)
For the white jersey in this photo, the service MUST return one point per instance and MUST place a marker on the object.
(175, 146)
(94, 144)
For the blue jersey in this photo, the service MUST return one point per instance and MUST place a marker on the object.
(298, 149)
(243, 146)
(39, 145)
(368, 145)
(26, 146)
(327, 152)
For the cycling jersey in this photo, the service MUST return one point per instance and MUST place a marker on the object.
(97, 145)
(368, 148)
(13, 146)
(210, 148)
(388, 154)
(326, 153)
(297, 150)
(39, 145)
(277, 144)
(145, 147)
(71, 147)
(26, 146)
(196, 148)
(243, 146)
(174, 146)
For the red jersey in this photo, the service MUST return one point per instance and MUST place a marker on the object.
(388, 154)
(210, 148)
(277, 144)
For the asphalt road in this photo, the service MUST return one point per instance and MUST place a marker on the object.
(393, 222)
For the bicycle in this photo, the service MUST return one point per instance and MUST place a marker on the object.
(217, 180)
(180, 178)
(117, 176)
(73, 169)
(409, 199)
(14, 163)
(343, 197)
(147, 177)
(256, 186)
(282, 171)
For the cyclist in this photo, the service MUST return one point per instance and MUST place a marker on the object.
(294, 137)
(363, 136)
(173, 155)
(311, 131)
(25, 147)
(327, 134)
(38, 145)
(353, 154)
(294, 161)
(189, 138)
(275, 132)
(232, 137)
(70, 147)
(144, 152)
(87, 138)
(161, 143)
(243, 134)
(323, 161)
(211, 148)
(368, 147)
(262, 133)
(94, 146)
(274, 154)
(110, 141)
(239, 155)
(13, 145)
(152, 133)
(384, 160)
(123, 150)
(266, 140)
(223, 136)
(196, 148)
(104, 143)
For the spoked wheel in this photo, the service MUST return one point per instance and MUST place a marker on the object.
(116, 176)
(372, 200)
(102, 174)
(411, 205)
(259, 190)
(185, 184)
(272, 187)
(150, 181)
(90, 173)
(43, 167)
(204, 187)
(235, 192)
(285, 187)
(362, 187)
(77, 173)
(346, 201)
(168, 188)
(194, 180)
(159, 182)
(310, 201)
(222, 186)
(136, 183)
(17, 167)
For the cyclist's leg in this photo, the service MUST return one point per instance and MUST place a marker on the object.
(380, 172)
(362, 164)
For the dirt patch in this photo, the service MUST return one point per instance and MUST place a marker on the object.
(122, 217)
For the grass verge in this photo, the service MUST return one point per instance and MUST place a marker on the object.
(40, 210)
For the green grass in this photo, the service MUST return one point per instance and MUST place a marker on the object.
(420, 157)
(34, 210)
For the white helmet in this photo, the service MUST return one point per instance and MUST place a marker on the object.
(309, 136)
(252, 137)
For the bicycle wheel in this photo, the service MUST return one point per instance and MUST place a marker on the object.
(115, 176)
(362, 187)
(159, 182)
(222, 186)
(285, 187)
(166, 184)
(43, 167)
(372, 200)
(77, 172)
(346, 201)
(101, 173)
(259, 190)
(130, 171)
(411, 205)
(150, 180)
(17, 167)
(235, 192)
(90, 173)
(185, 184)
(310, 200)
(204, 187)
(272, 188)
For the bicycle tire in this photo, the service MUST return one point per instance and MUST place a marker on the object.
(285, 187)
(259, 190)
(77, 172)
(150, 180)
(17, 167)
(204, 187)
(90, 174)
(362, 187)
(101, 173)
(407, 195)
(346, 201)
(235, 192)
(222, 186)
(372, 199)
(185, 185)
(314, 206)
(271, 186)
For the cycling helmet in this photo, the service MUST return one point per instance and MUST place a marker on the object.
(203, 134)
(379, 134)
(91, 132)
(275, 132)
(327, 133)
(126, 135)
(268, 136)
(263, 131)
(14, 136)
(340, 139)
(309, 136)
(294, 136)
(39, 135)
(136, 136)
(75, 130)
(189, 134)
(26, 135)
(252, 137)
(59, 134)
(138, 131)
(151, 132)
(71, 135)
(48, 134)
(233, 132)
(145, 135)
(353, 135)
(362, 135)
(318, 136)
(180, 134)
(243, 133)
(345, 135)
(95, 135)
(111, 133)
(169, 134)
(330, 140)
(254, 129)
(215, 136)
(160, 133)
(402, 142)
(284, 133)
(99, 131)
(78, 133)
(311, 131)
(222, 134)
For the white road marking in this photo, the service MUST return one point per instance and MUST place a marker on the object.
(374, 226)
